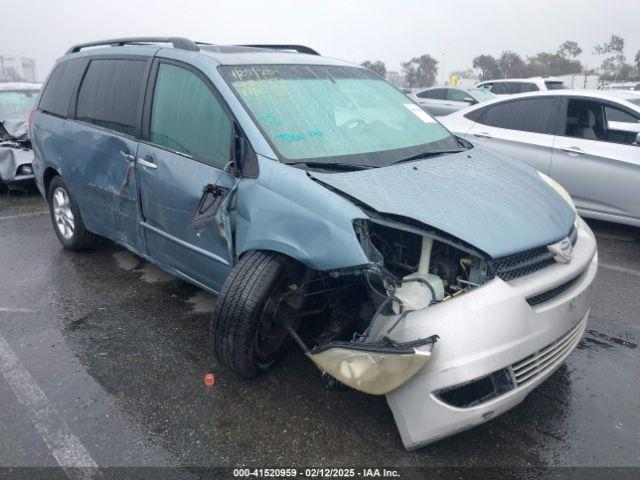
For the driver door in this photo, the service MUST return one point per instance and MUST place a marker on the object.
(596, 159)
(188, 138)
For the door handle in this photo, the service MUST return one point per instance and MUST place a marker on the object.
(146, 162)
(127, 156)
(482, 135)
(573, 151)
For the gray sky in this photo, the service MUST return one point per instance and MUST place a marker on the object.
(391, 31)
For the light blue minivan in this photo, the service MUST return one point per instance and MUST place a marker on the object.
(328, 210)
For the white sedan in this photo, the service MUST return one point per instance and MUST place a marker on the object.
(588, 141)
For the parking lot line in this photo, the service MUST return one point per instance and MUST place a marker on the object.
(630, 271)
(63, 444)
(25, 215)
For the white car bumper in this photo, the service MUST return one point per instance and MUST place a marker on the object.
(493, 329)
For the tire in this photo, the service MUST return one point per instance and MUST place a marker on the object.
(66, 218)
(243, 316)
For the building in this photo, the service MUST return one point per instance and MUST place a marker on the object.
(14, 68)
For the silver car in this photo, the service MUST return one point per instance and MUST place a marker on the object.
(445, 100)
(17, 99)
(588, 141)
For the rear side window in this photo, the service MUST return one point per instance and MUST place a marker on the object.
(499, 89)
(435, 94)
(475, 115)
(522, 87)
(111, 93)
(60, 88)
(457, 95)
(187, 117)
(537, 115)
(554, 85)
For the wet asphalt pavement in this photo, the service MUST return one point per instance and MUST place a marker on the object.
(119, 348)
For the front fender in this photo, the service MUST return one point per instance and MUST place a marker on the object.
(285, 211)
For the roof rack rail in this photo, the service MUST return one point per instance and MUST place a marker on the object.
(295, 48)
(177, 42)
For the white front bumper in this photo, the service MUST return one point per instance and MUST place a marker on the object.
(486, 330)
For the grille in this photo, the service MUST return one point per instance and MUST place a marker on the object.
(542, 361)
(527, 262)
(549, 294)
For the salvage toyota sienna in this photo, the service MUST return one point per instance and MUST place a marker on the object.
(328, 211)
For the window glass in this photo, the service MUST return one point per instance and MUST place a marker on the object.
(481, 94)
(457, 95)
(617, 115)
(16, 102)
(499, 88)
(59, 89)
(111, 94)
(521, 87)
(529, 115)
(585, 119)
(187, 117)
(555, 85)
(475, 115)
(436, 94)
(335, 114)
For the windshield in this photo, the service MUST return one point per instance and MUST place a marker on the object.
(335, 114)
(481, 94)
(554, 85)
(14, 103)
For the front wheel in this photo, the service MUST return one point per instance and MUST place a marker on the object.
(247, 327)
(66, 219)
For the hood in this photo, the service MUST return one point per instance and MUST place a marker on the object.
(14, 129)
(497, 205)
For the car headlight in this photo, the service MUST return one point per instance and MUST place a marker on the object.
(563, 193)
(373, 368)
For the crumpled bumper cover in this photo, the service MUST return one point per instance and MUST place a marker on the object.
(10, 160)
(487, 330)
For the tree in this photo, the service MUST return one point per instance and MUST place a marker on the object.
(488, 67)
(569, 49)
(637, 60)
(511, 65)
(548, 64)
(624, 72)
(376, 66)
(614, 51)
(468, 73)
(420, 71)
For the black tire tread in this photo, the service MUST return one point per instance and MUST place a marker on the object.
(239, 308)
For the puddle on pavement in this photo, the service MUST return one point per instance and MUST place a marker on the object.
(202, 302)
(150, 273)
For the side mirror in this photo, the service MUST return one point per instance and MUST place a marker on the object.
(638, 139)
(470, 101)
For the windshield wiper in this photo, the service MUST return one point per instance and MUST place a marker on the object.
(333, 166)
(421, 155)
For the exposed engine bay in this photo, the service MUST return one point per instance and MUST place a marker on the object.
(409, 270)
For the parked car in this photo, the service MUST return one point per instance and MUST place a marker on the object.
(626, 86)
(302, 187)
(586, 140)
(16, 101)
(512, 86)
(445, 100)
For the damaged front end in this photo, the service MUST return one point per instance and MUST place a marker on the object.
(410, 269)
(16, 154)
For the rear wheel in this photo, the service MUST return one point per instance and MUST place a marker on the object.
(66, 219)
(248, 329)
